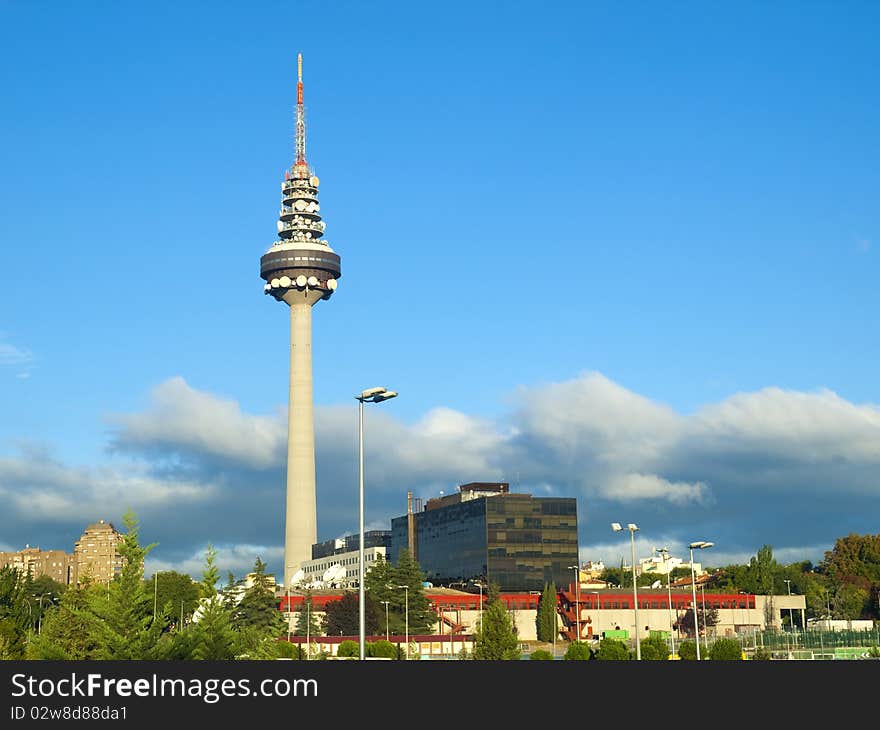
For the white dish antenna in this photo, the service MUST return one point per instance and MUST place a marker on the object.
(280, 226)
(333, 573)
(275, 283)
(297, 577)
(331, 284)
(301, 280)
(313, 281)
(284, 281)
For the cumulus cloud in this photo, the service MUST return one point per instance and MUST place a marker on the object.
(775, 466)
(34, 485)
(182, 420)
(237, 559)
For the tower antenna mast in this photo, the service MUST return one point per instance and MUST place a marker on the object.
(300, 167)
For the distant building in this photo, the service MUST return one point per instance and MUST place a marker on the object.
(349, 543)
(484, 532)
(57, 564)
(349, 573)
(97, 555)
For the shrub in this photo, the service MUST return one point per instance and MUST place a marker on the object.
(612, 650)
(541, 654)
(687, 651)
(654, 649)
(578, 651)
(762, 654)
(725, 650)
(348, 648)
(382, 649)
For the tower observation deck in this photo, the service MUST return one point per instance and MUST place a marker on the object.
(300, 269)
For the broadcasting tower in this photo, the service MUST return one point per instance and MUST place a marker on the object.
(300, 269)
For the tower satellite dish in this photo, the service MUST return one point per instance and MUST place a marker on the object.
(284, 281)
(313, 281)
(301, 280)
(331, 284)
(280, 226)
(297, 577)
(275, 283)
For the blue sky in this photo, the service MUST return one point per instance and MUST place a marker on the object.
(622, 251)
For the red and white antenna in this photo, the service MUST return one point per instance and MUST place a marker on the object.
(300, 167)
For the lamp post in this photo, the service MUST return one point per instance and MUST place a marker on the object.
(406, 618)
(790, 614)
(632, 541)
(155, 593)
(370, 395)
(288, 601)
(40, 614)
(387, 635)
(577, 588)
(598, 633)
(697, 545)
(664, 551)
(705, 625)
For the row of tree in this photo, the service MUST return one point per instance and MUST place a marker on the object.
(844, 585)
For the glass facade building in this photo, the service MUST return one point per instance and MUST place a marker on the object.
(518, 541)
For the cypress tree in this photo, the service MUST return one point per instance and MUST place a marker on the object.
(495, 637)
(546, 614)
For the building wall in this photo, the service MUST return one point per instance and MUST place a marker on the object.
(518, 541)
(57, 564)
(96, 552)
(531, 541)
(314, 569)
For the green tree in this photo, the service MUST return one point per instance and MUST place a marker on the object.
(307, 623)
(16, 612)
(495, 637)
(258, 608)
(380, 580)
(541, 655)
(612, 650)
(687, 651)
(382, 649)
(348, 648)
(654, 648)
(71, 630)
(342, 617)
(128, 628)
(175, 593)
(215, 638)
(686, 622)
(408, 573)
(545, 618)
(578, 651)
(725, 650)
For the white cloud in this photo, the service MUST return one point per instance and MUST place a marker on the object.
(239, 559)
(631, 487)
(33, 485)
(182, 419)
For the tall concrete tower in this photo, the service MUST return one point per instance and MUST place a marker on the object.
(300, 269)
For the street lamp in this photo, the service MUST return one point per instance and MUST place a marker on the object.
(664, 551)
(387, 635)
(288, 602)
(632, 540)
(577, 588)
(598, 633)
(40, 614)
(698, 545)
(370, 395)
(406, 618)
(155, 593)
(790, 614)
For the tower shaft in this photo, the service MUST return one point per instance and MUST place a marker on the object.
(301, 530)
